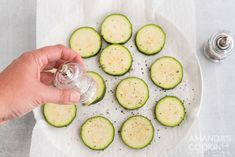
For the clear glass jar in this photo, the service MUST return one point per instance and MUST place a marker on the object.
(73, 76)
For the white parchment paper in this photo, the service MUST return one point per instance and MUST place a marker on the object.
(56, 20)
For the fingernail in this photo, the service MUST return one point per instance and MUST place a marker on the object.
(75, 96)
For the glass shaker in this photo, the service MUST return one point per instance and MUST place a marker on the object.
(219, 46)
(72, 76)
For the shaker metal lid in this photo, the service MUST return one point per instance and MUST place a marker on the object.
(67, 75)
(224, 42)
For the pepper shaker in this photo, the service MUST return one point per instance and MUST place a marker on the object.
(219, 46)
(72, 76)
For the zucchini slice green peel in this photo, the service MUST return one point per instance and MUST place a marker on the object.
(59, 115)
(101, 87)
(166, 72)
(132, 93)
(170, 111)
(97, 133)
(115, 60)
(137, 132)
(150, 39)
(116, 29)
(85, 41)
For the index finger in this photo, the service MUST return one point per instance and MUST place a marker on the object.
(55, 53)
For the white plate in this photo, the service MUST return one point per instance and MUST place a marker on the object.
(190, 91)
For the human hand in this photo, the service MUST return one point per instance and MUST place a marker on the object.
(25, 83)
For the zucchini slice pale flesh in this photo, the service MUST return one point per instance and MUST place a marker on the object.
(115, 60)
(166, 72)
(116, 29)
(86, 41)
(170, 111)
(132, 93)
(97, 133)
(150, 39)
(59, 115)
(137, 132)
(101, 87)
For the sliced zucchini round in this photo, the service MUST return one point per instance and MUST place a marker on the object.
(170, 111)
(150, 39)
(166, 72)
(97, 133)
(137, 132)
(86, 41)
(132, 93)
(59, 115)
(101, 87)
(115, 60)
(116, 29)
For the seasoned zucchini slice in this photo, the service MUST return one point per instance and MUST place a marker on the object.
(166, 72)
(116, 29)
(132, 93)
(137, 132)
(59, 115)
(86, 41)
(170, 111)
(97, 133)
(150, 39)
(115, 60)
(101, 87)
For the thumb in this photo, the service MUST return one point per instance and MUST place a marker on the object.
(60, 96)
